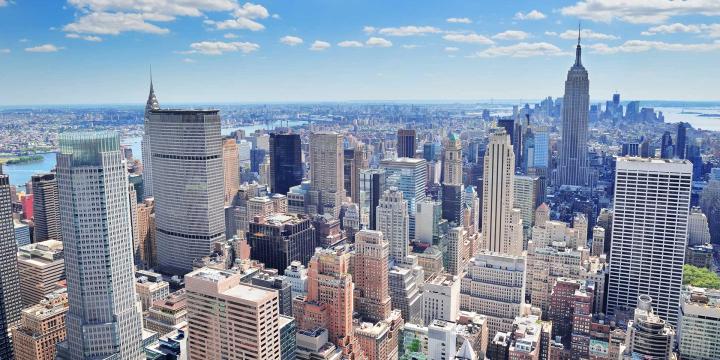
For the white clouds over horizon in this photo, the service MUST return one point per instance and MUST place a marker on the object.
(511, 35)
(320, 45)
(586, 34)
(711, 30)
(521, 50)
(471, 38)
(378, 42)
(46, 48)
(639, 12)
(291, 40)
(532, 15)
(220, 47)
(636, 46)
(455, 20)
(411, 30)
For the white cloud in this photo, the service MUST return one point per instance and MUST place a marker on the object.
(350, 43)
(451, 49)
(251, 11)
(230, 36)
(5, 51)
(459, 20)
(409, 30)
(471, 38)
(3, 3)
(319, 45)
(586, 34)
(189, 60)
(522, 49)
(635, 46)
(640, 12)
(164, 7)
(91, 38)
(378, 42)
(511, 35)
(369, 29)
(220, 47)
(291, 40)
(47, 48)
(410, 46)
(532, 15)
(551, 33)
(711, 30)
(106, 23)
(240, 24)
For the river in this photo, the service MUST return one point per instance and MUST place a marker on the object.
(20, 174)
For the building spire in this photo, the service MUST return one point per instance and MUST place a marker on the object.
(578, 51)
(152, 101)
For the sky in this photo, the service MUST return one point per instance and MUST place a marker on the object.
(231, 51)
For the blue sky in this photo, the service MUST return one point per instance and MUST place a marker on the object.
(99, 51)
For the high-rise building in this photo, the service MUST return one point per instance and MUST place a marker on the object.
(329, 301)
(652, 202)
(247, 327)
(370, 275)
(409, 175)
(150, 105)
(94, 209)
(698, 229)
(168, 314)
(10, 301)
(279, 239)
(146, 256)
(231, 169)
(392, 222)
(406, 143)
(41, 266)
(573, 166)
(428, 216)
(681, 140)
(150, 287)
(405, 291)
(458, 250)
(648, 335)
(452, 161)
(441, 298)
(666, 146)
(526, 197)
(494, 285)
(501, 225)
(46, 209)
(326, 172)
(187, 171)
(699, 323)
(379, 340)
(41, 327)
(286, 168)
(372, 187)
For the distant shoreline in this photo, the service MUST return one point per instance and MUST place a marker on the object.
(20, 160)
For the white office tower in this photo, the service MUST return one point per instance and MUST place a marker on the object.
(648, 335)
(699, 324)
(441, 298)
(494, 286)
(427, 217)
(458, 250)
(326, 172)
(649, 233)
(698, 229)
(103, 320)
(501, 226)
(580, 225)
(152, 104)
(189, 190)
(392, 221)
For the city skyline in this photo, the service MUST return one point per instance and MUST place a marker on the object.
(351, 51)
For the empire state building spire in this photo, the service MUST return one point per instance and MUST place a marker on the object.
(578, 50)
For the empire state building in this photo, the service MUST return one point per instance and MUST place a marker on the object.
(573, 168)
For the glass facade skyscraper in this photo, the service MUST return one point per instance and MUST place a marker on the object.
(286, 169)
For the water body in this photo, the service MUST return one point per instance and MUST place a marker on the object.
(20, 174)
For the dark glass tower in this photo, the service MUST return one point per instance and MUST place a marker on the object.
(406, 143)
(286, 169)
(10, 305)
(666, 147)
(681, 140)
(278, 240)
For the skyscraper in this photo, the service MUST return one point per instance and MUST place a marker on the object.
(286, 168)
(102, 320)
(326, 172)
(410, 177)
(46, 209)
(406, 143)
(231, 169)
(649, 336)
(370, 275)
(187, 170)
(279, 239)
(372, 187)
(10, 303)
(393, 222)
(652, 203)
(681, 140)
(573, 167)
(151, 104)
(501, 224)
(666, 146)
(452, 161)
